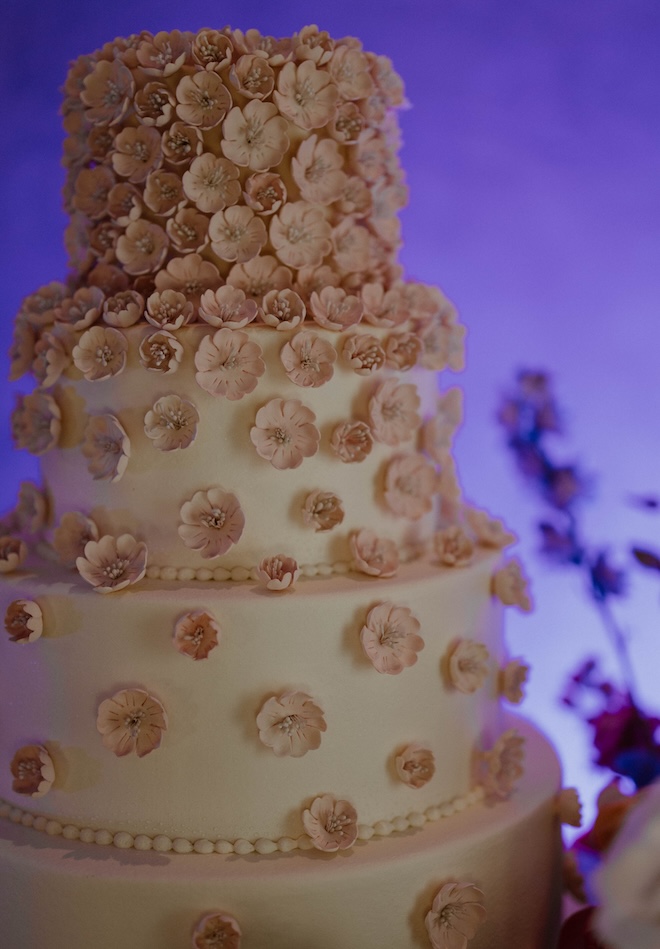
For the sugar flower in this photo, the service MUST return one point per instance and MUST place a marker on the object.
(390, 638)
(33, 771)
(137, 153)
(163, 193)
(265, 193)
(278, 573)
(334, 309)
(92, 187)
(154, 104)
(511, 586)
(383, 308)
(196, 634)
(123, 203)
(317, 170)
(82, 309)
(409, 485)
(489, 531)
(322, 510)
(188, 230)
(21, 351)
(203, 100)
(284, 433)
(283, 309)
(211, 183)
(306, 95)
(393, 412)
(300, 234)
(347, 125)
(181, 143)
(100, 353)
(162, 54)
(217, 929)
(512, 678)
(363, 353)
(32, 508)
(161, 352)
(351, 441)
(229, 364)
(237, 234)
(191, 275)
(36, 422)
(106, 447)
(228, 307)
(503, 764)
(453, 546)
(455, 916)
(107, 92)
(308, 359)
(211, 49)
(291, 724)
(212, 522)
(415, 765)
(438, 432)
(467, 665)
(568, 807)
(123, 309)
(131, 721)
(253, 77)
(373, 555)
(172, 423)
(255, 136)
(13, 552)
(352, 245)
(112, 563)
(142, 247)
(39, 308)
(259, 275)
(331, 824)
(24, 621)
(350, 70)
(71, 535)
(169, 310)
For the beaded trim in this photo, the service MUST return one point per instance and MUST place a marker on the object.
(262, 845)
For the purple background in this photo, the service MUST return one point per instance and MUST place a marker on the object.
(532, 153)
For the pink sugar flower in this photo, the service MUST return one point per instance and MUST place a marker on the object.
(334, 309)
(512, 679)
(161, 352)
(402, 351)
(300, 234)
(237, 234)
(106, 447)
(203, 100)
(467, 665)
(253, 76)
(255, 136)
(191, 275)
(188, 230)
(36, 422)
(306, 95)
(453, 546)
(163, 54)
(229, 364)
(511, 586)
(181, 144)
(278, 573)
(33, 771)
(227, 306)
(13, 552)
(259, 275)
(137, 153)
(503, 764)
(217, 930)
(393, 412)
(351, 441)
(284, 433)
(196, 634)
(317, 170)
(142, 248)
(123, 309)
(112, 563)
(489, 531)
(32, 508)
(211, 49)
(390, 638)
(106, 92)
(410, 482)
(373, 555)
(283, 309)
(71, 535)
(415, 765)
(291, 724)
(438, 432)
(212, 522)
(265, 193)
(331, 824)
(455, 916)
(24, 621)
(100, 353)
(322, 510)
(308, 359)
(363, 353)
(211, 183)
(172, 423)
(131, 721)
(169, 310)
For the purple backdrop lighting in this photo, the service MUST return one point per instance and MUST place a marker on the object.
(532, 153)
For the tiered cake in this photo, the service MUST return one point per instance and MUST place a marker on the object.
(253, 675)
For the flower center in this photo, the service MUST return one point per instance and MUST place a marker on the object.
(113, 571)
(215, 519)
(104, 355)
(391, 636)
(28, 769)
(336, 823)
(112, 93)
(159, 353)
(280, 435)
(145, 244)
(290, 724)
(133, 721)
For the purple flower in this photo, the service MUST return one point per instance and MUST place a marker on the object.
(624, 738)
(606, 580)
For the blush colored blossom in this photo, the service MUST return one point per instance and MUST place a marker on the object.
(265, 193)
(227, 306)
(306, 95)
(467, 665)
(71, 535)
(511, 586)
(438, 432)
(32, 508)
(142, 248)
(312, 43)
(196, 634)
(190, 275)
(211, 183)
(410, 482)
(203, 100)
(323, 510)
(163, 193)
(455, 916)
(161, 352)
(503, 764)
(24, 621)
(334, 309)
(443, 346)
(317, 170)
(352, 247)
(393, 412)
(453, 546)
(284, 433)
(92, 189)
(568, 807)
(415, 765)
(21, 351)
(300, 234)
(36, 422)
(347, 126)
(169, 310)
(217, 929)
(283, 309)
(390, 638)
(308, 359)
(237, 234)
(512, 678)
(123, 309)
(253, 77)
(259, 275)
(211, 522)
(255, 136)
(172, 423)
(373, 555)
(32, 770)
(106, 447)
(331, 824)
(402, 351)
(489, 531)
(363, 353)
(154, 104)
(82, 309)
(162, 54)
(188, 231)
(131, 721)
(112, 563)
(181, 143)
(291, 724)
(351, 441)
(137, 153)
(229, 364)
(278, 573)
(106, 92)
(212, 49)
(383, 307)
(124, 203)
(13, 552)
(39, 309)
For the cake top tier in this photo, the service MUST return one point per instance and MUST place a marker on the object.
(222, 157)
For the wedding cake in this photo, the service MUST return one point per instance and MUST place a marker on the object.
(253, 684)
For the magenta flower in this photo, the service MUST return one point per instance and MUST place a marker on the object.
(390, 638)
(229, 364)
(284, 433)
(212, 522)
(415, 765)
(33, 771)
(291, 724)
(131, 721)
(331, 824)
(455, 916)
(217, 930)
(373, 555)
(196, 634)
(112, 563)
(393, 412)
(410, 482)
(24, 621)
(308, 359)
(351, 441)
(279, 572)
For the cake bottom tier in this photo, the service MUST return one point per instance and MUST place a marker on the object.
(68, 895)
